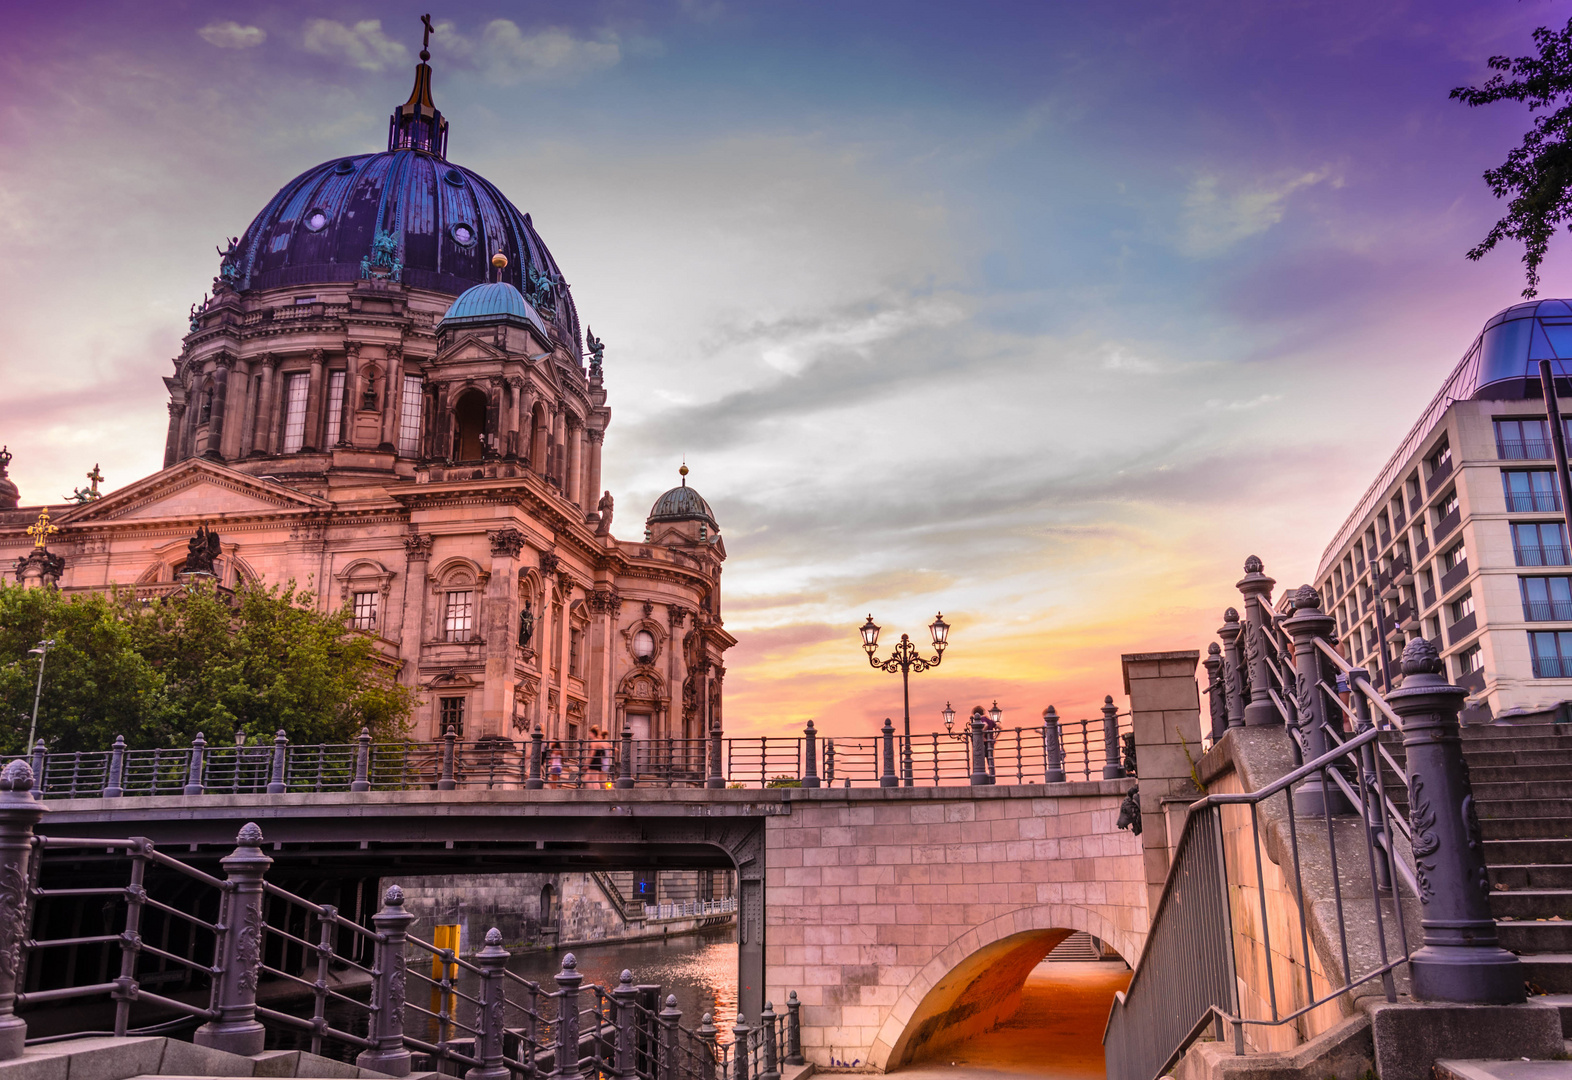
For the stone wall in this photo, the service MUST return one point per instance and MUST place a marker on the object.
(889, 908)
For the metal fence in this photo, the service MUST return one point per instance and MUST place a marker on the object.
(231, 935)
(1057, 750)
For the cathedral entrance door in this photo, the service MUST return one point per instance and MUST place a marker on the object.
(639, 724)
(469, 426)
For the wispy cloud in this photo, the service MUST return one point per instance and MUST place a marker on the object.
(228, 34)
(364, 44)
(1218, 213)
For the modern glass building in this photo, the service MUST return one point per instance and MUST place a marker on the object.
(1461, 538)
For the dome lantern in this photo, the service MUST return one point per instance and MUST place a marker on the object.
(418, 124)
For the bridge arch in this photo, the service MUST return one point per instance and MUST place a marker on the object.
(975, 982)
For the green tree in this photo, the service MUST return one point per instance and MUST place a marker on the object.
(1537, 175)
(159, 672)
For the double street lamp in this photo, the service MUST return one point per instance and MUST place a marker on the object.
(976, 735)
(906, 658)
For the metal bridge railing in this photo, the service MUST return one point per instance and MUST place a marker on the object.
(231, 935)
(1055, 751)
(1281, 667)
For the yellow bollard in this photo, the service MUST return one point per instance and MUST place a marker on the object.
(445, 937)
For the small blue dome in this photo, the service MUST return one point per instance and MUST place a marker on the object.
(683, 504)
(490, 302)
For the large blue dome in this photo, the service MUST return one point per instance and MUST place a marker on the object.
(443, 222)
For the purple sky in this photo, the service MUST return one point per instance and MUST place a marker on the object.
(1044, 314)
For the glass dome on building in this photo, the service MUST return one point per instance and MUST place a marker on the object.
(436, 224)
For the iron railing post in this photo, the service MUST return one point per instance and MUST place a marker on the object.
(887, 777)
(325, 931)
(1461, 959)
(114, 784)
(1054, 774)
(276, 784)
(829, 761)
(1369, 764)
(237, 964)
(739, 1047)
(362, 781)
(1112, 769)
(489, 1024)
(810, 756)
(568, 982)
(1233, 670)
(707, 1034)
(767, 1019)
(670, 1044)
(125, 990)
(625, 767)
(387, 1053)
(794, 1030)
(19, 813)
(979, 736)
(537, 751)
(717, 778)
(195, 766)
(40, 767)
(623, 1007)
(1318, 795)
(1256, 588)
(1216, 696)
(445, 778)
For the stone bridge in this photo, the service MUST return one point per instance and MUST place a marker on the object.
(905, 918)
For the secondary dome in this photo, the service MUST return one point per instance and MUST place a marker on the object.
(406, 213)
(682, 503)
(491, 302)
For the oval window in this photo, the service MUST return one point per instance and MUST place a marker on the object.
(463, 234)
(316, 220)
(454, 177)
(644, 645)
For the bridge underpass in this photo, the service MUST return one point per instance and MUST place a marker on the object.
(875, 905)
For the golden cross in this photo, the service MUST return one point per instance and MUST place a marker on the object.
(95, 476)
(42, 530)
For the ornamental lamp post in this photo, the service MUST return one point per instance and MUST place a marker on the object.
(41, 650)
(905, 658)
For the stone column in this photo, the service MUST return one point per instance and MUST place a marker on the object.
(596, 436)
(236, 1030)
(1256, 588)
(417, 552)
(172, 441)
(500, 629)
(352, 392)
(558, 452)
(315, 393)
(1461, 959)
(1165, 714)
(392, 390)
(570, 487)
(215, 426)
(237, 397)
(262, 437)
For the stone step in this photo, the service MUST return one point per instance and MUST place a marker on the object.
(1478, 732)
(1535, 937)
(1520, 787)
(1509, 851)
(1514, 774)
(1519, 1069)
(1550, 973)
(1527, 807)
(1564, 1003)
(1532, 876)
(1531, 904)
(1525, 828)
(1480, 759)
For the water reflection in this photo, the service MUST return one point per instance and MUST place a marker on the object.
(701, 969)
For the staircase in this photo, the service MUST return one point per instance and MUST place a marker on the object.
(1522, 779)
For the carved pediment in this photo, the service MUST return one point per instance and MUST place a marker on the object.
(194, 489)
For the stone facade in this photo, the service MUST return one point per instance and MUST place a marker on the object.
(422, 444)
(885, 909)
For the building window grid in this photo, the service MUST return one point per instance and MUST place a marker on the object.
(335, 417)
(1527, 440)
(1547, 599)
(1540, 543)
(458, 620)
(1462, 607)
(295, 392)
(451, 715)
(1454, 555)
(1530, 492)
(364, 611)
(409, 417)
(1552, 653)
(1470, 660)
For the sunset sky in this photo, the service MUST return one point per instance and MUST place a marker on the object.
(1045, 314)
